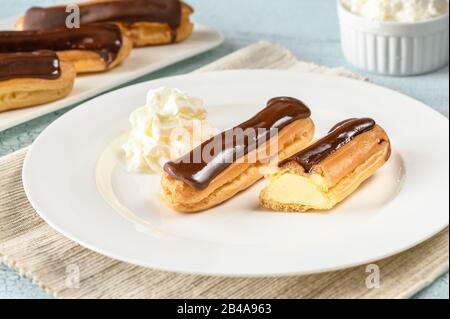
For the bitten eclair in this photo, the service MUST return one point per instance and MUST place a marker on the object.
(148, 22)
(28, 79)
(197, 182)
(92, 48)
(329, 170)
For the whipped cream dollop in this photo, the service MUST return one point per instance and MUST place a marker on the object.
(171, 124)
(398, 10)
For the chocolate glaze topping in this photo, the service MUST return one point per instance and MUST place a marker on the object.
(41, 64)
(341, 134)
(197, 172)
(126, 11)
(104, 39)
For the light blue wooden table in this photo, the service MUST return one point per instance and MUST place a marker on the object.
(307, 27)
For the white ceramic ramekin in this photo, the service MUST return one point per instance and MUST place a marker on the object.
(394, 48)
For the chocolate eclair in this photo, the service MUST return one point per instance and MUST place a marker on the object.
(148, 22)
(328, 171)
(233, 160)
(28, 79)
(92, 48)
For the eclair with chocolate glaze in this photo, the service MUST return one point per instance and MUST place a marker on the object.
(148, 22)
(202, 179)
(93, 48)
(328, 171)
(28, 79)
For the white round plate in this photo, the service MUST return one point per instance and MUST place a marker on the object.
(403, 204)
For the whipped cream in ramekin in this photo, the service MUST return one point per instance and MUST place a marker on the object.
(171, 124)
(398, 10)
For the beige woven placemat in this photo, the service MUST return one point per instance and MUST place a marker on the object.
(68, 270)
